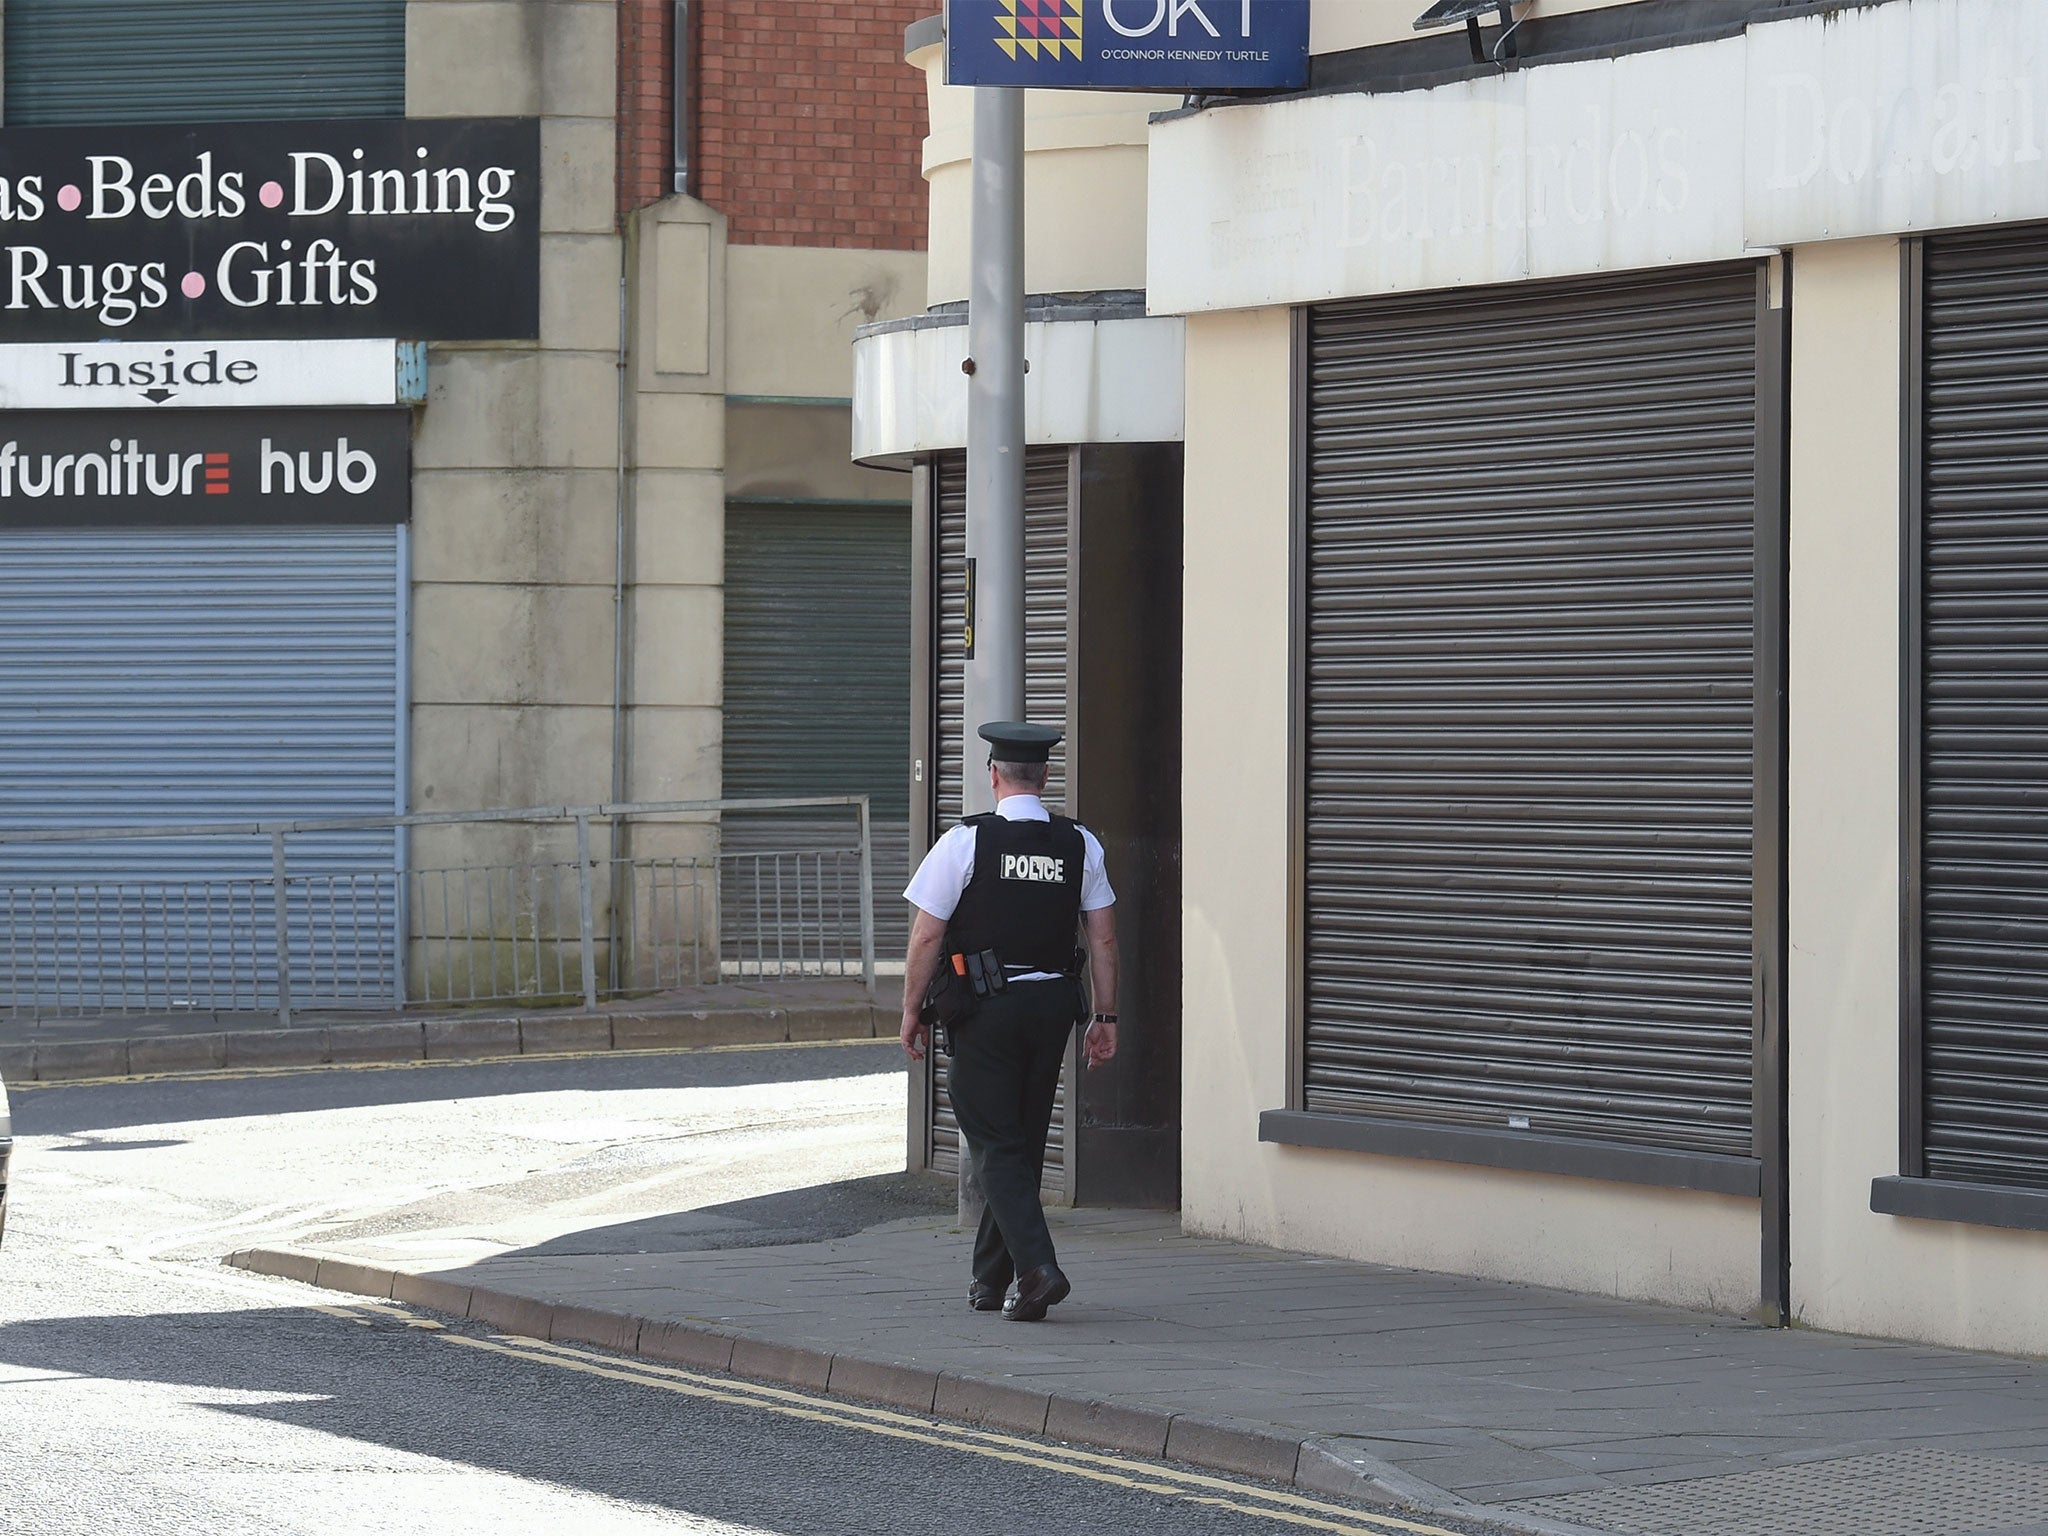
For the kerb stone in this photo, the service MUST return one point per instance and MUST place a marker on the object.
(1229, 1448)
(1141, 1431)
(787, 1364)
(519, 1315)
(178, 1053)
(588, 1325)
(852, 1021)
(376, 1042)
(356, 1279)
(687, 1344)
(275, 1048)
(994, 1403)
(432, 1292)
(69, 1060)
(552, 1037)
(876, 1381)
(471, 1039)
(303, 1267)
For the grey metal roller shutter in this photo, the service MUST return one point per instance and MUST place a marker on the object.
(197, 675)
(153, 61)
(817, 683)
(1045, 690)
(1529, 665)
(1045, 614)
(1983, 934)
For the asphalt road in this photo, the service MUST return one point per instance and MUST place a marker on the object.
(145, 1389)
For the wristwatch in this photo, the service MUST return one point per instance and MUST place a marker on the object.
(1103, 1018)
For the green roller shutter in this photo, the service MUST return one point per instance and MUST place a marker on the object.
(817, 687)
(144, 61)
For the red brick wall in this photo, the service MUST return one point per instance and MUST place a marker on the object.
(646, 106)
(809, 126)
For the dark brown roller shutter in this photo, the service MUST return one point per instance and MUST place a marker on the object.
(1983, 918)
(1045, 692)
(1530, 710)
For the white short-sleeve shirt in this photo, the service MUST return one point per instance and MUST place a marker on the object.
(942, 878)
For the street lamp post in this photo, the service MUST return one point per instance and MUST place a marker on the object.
(994, 684)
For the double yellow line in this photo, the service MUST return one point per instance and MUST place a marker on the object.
(1116, 1471)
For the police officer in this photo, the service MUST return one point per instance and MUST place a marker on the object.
(1017, 882)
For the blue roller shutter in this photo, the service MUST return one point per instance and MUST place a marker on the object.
(193, 675)
(148, 61)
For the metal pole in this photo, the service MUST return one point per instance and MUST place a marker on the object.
(867, 899)
(585, 918)
(995, 458)
(284, 951)
(995, 426)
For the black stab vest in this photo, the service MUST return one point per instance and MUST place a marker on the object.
(1024, 900)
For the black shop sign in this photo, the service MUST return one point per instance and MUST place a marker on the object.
(424, 230)
(63, 469)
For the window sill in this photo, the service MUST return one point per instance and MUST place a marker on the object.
(1981, 1205)
(1705, 1171)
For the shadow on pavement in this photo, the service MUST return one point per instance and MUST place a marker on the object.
(61, 1110)
(815, 1214)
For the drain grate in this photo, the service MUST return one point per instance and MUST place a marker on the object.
(1898, 1493)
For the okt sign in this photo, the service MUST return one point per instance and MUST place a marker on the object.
(426, 230)
(1145, 45)
(69, 469)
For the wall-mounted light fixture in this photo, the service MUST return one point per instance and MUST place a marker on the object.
(1449, 13)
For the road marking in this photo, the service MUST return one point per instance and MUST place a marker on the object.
(1193, 1487)
(238, 1074)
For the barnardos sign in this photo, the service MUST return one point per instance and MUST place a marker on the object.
(423, 229)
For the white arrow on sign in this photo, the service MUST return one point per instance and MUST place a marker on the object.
(60, 376)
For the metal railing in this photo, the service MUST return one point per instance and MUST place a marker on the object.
(541, 904)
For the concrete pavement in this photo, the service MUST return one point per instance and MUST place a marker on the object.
(728, 1013)
(146, 1391)
(1535, 1409)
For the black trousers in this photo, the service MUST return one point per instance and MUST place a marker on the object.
(1003, 1077)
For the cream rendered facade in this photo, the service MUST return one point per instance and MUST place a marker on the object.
(1107, 376)
(1254, 213)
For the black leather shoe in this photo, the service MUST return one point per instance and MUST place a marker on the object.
(984, 1297)
(1037, 1289)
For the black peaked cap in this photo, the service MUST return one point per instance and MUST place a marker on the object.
(1017, 741)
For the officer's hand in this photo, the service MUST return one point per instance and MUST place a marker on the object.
(912, 1036)
(1099, 1044)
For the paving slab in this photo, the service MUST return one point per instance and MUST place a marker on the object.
(1539, 1410)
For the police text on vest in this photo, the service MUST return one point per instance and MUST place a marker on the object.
(1034, 866)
